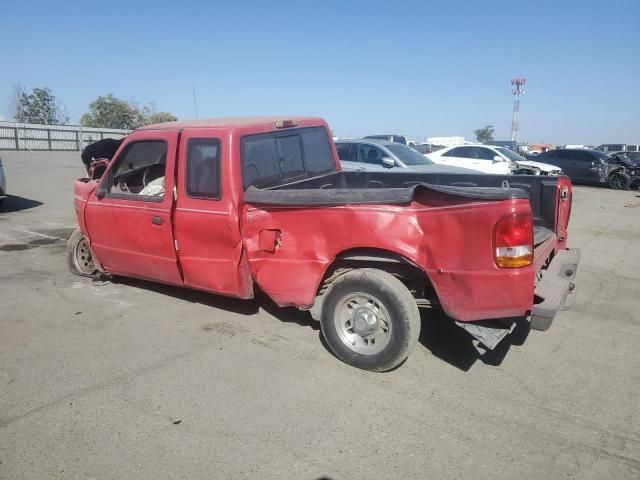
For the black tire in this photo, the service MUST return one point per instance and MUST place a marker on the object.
(397, 305)
(618, 181)
(79, 257)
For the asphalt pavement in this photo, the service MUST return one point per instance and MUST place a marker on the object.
(131, 380)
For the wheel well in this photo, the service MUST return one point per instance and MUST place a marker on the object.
(413, 277)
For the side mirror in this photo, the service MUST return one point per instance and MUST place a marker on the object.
(97, 168)
(497, 159)
(388, 162)
(101, 192)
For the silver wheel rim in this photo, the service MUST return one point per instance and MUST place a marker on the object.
(84, 260)
(363, 323)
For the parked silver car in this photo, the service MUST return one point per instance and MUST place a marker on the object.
(3, 184)
(382, 155)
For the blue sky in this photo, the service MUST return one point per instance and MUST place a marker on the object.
(413, 67)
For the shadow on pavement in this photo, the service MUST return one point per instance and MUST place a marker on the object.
(445, 340)
(439, 334)
(243, 307)
(14, 203)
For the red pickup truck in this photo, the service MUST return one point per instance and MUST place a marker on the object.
(229, 206)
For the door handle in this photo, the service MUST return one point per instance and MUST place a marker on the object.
(156, 220)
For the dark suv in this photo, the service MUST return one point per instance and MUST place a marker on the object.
(592, 167)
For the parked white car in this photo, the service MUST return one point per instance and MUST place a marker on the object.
(490, 159)
(373, 155)
(3, 184)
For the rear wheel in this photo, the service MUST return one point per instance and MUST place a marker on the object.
(79, 256)
(618, 181)
(370, 320)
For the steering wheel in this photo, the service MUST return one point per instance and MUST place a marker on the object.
(123, 187)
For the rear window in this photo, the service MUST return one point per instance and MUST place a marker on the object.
(269, 159)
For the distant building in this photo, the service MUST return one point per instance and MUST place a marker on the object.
(511, 144)
(540, 147)
(448, 141)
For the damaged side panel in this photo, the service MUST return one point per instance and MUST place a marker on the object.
(432, 232)
(82, 189)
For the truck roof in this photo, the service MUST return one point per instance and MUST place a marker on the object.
(259, 123)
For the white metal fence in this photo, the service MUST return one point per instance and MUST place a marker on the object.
(27, 136)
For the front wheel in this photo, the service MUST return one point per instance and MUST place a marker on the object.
(618, 181)
(370, 320)
(79, 257)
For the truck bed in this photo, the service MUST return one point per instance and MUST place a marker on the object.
(354, 188)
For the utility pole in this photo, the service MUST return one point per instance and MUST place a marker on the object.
(517, 89)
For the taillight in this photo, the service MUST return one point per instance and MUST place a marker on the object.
(513, 241)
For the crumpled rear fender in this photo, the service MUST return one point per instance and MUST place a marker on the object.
(449, 238)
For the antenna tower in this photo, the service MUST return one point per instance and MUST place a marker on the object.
(517, 88)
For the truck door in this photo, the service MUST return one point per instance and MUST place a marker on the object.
(206, 220)
(130, 226)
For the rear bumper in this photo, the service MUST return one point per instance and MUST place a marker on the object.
(555, 289)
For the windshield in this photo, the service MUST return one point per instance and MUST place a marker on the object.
(601, 155)
(511, 155)
(408, 155)
(634, 157)
(625, 159)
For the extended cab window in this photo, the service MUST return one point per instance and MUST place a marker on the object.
(269, 159)
(203, 168)
(140, 170)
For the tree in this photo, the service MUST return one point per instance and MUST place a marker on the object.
(161, 117)
(148, 115)
(39, 106)
(111, 112)
(15, 102)
(485, 134)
